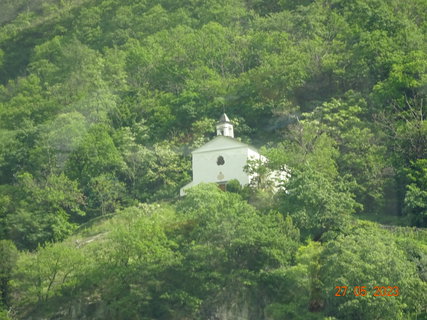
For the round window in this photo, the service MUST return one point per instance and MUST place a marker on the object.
(220, 161)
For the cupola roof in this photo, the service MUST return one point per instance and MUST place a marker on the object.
(224, 119)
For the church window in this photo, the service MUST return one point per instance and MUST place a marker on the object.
(220, 161)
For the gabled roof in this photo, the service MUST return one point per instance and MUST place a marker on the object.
(222, 143)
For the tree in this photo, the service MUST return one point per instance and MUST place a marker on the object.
(9, 255)
(47, 272)
(368, 256)
(1, 57)
(87, 27)
(152, 172)
(56, 141)
(361, 151)
(25, 101)
(316, 204)
(105, 193)
(296, 291)
(416, 192)
(265, 182)
(131, 267)
(95, 155)
(307, 144)
(13, 152)
(227, 244)
(47, 210)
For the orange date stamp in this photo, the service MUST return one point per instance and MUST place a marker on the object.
(376, 291)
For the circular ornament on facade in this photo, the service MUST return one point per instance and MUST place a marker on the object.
(220, 161)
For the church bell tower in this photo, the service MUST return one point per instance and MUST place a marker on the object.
(224, 127)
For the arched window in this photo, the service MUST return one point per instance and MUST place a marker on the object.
(220, 161)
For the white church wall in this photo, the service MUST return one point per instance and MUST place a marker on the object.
(235, 155)
(206, 169)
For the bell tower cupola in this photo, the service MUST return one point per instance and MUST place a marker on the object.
(224, 127)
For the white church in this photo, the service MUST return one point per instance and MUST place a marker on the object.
(222, 159)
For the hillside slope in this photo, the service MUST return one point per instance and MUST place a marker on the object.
(219, 259)
(101, 103)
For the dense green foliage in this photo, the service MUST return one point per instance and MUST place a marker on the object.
(101, 102)
(212, 253)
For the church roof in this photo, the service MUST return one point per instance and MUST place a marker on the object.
(223, 143)
(224, 118)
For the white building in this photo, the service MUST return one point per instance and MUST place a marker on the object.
(222, 159)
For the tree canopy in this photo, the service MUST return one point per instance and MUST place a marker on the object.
(101, 103)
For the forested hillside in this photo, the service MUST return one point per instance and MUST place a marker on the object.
(101, 103)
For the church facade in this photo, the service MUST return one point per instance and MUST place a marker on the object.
(222, 159)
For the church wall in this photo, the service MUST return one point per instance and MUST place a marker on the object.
(222, 159)
(206, 169)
